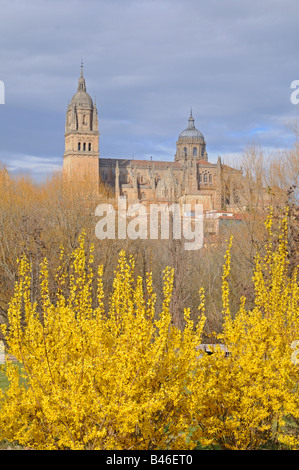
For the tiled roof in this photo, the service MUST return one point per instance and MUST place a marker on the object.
(147, 163)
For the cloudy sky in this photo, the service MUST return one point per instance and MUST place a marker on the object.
(146, 62)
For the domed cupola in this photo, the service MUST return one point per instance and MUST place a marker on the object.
(82, 99)
(191, 143)
(81, 113)
(191, 131)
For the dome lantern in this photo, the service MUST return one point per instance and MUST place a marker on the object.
(82, 99)
(191, 143)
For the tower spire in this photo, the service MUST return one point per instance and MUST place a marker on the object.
(81, 81)
(81, 155)
(191, 121)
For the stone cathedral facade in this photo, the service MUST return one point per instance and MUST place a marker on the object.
(189, 178)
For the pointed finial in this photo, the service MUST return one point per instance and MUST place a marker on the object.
(81, 82)
(191, 121)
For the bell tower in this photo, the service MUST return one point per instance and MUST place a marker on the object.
(81, 155)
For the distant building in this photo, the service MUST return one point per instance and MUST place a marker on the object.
(190, 178)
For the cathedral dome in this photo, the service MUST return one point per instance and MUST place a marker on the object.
(191, 132)
(82, 98)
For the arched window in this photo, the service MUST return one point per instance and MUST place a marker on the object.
(200, 178)
(123, 177)
(185, 151)
(210, 178)
(205, 178)
(194, 152)
(84, 146)
(89, 146)
(79, 145)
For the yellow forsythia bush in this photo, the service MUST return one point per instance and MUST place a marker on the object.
(97, 379)
(251, 397)
(124, 377)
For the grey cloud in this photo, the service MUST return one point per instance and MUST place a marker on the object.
(147, 62)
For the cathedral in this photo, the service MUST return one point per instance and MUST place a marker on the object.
(190, 178)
